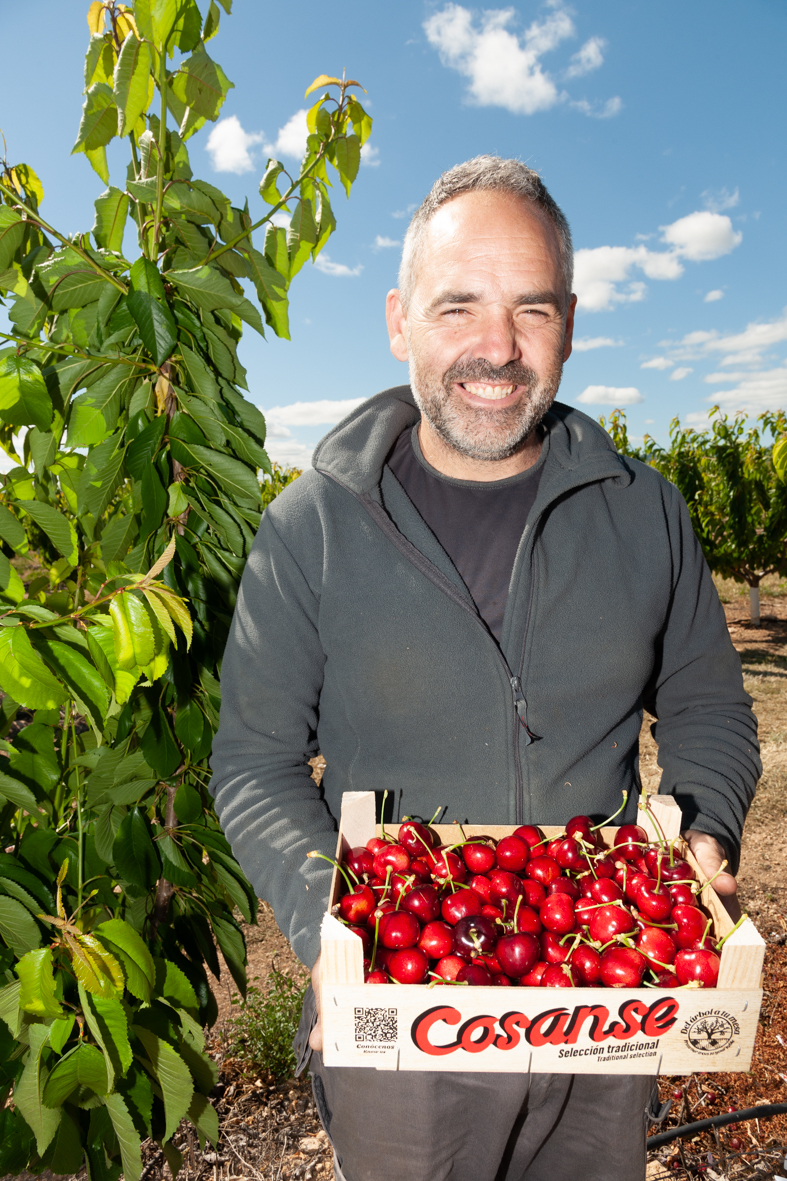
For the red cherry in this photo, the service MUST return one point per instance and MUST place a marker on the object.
(423, 902)
(667, 980)
(491, 963)
(399, 929)
(584, 910)
(474, 974)
(446, 865)
(609, 921)
(552, 847)
(416, 837)
(376, 977)
(736, 1144)
(679, 871)
(459, 905)
(482, 887)
(395, 856)
(552, 950)
(492, 912)
(365, 937)
(529, 833)
(682, 894)
(586, 962)
(654, 901)
(630, 840)
(557, 914)
(622, 967)
(478, 856)
(691, 924)
(502, 979)
(517, 954)
(408, 966)
(605, 866)
(533, 978)
(564, 886)
(559, 976)
(421, 870)
(677, 1094)
(356, 906)
(702, 966)
(543, 870)
(526, 919)
(512, 853)
(381, 909)
(506, 887)
(449, 967)
(437, 940)
(474, 935)
(375, 844)
(534, 893)
(569, 854)
(605, 890)
(657, 947)
(360, 861)
(581, 826)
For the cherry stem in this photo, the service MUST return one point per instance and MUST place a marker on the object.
(383, 837)
(516, 910)
(604, 823)
(721, 942)
(335, 864)
(437, 813)
(710, 881)
(647, 808)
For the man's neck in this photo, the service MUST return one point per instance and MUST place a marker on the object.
(445, 459)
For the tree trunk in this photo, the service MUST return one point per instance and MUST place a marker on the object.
(165, 889)
(754, 603)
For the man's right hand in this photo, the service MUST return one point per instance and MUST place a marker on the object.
(315, 1037)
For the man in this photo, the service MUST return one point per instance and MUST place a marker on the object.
(466, 603)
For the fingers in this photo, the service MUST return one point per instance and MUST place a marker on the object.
(315, 1037)
(709, 856)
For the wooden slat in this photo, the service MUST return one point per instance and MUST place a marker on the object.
(342, 953)
(742, 958)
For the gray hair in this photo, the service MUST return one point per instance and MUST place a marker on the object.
(484, 174)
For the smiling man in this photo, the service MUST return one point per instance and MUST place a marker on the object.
(467, 603)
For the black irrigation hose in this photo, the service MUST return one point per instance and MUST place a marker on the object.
(764, 1111)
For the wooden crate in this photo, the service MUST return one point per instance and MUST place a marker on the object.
(580, 1030)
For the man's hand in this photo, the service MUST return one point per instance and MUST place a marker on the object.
(709, 855)
(315, 1037)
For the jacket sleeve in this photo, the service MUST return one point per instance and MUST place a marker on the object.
(706, 731)
(271, 810)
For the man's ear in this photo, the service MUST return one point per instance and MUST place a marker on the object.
(572, 307)
(397, 325)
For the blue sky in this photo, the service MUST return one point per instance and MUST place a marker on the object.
(659, 129)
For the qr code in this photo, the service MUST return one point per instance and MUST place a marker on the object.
(375, 1025)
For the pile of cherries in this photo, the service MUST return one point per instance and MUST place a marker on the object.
(525, 910)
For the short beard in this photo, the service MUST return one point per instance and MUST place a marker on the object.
(484, 434)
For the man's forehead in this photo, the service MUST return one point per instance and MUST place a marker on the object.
(484, 215)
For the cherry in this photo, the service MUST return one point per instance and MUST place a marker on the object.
(557, 914)
(691, 923)
(421, 870)
(408, 966)
(492, 912)
(491, 962)
(543, 870)
(394, 855)
(534, 893)
(360, 861)
(529, 833)
(399, 929)
(517, 954)
(437, 940)
(552, 950)
(376, 977)
(526, 919)
(533, 978)
(609, 921)
(581, 826)
(656, 946)
(423, 902)
(401, 885)
(586, 962)
(564, 886)
(605, 866)
(711, 1096)
(584, 909)
(736, 1144)
(383, 956)
(474, 936)
(445, 865)
(682, 894)
(605, 890)
(482, 886)
(633, 883)
(375, 844)
(552, 847)
(622, 967)
(702, 966)
(506, 887)
(629, 841)
(707, 943)
(478, 856)
(357, 906)
(416, 837)
(677, 1094)
(502, 979)
(678, 871)
(654, 901)
(365, 937)
(667, 980)
(449, 967)
(559, 976)
(475, 974)
(459, 905)
(569, 854)
(512, 853)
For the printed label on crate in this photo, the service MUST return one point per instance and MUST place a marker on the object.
(711, 1031)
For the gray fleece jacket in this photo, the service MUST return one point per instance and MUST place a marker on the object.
(354, 635)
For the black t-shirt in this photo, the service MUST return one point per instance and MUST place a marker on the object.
(478, 524)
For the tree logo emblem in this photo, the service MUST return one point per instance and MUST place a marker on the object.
(710, 1032)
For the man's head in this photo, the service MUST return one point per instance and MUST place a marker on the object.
(484, 310)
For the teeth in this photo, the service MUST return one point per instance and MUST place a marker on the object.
(492, 392)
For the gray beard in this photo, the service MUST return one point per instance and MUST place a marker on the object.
(483, 434)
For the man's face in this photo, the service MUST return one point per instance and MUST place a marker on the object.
(488, 326)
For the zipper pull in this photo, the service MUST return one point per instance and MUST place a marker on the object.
(520, 704)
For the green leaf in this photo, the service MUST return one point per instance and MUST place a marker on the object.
(94, 967)
(302, 235)
(184, 200)
(84, 1066)
(204, 1118)
(12, 233)
(174, 866)
(211, 22)
(36, 973)
(780, 458)
(158, 745)
(25, 676)
(106, 1020)
(99, 119)
(117, 537)
(97, 158)
(201, 85)
(67, 1156)
(128, 1136)
(250, 418)
(129, 947)
(147, 303)
(133, 85)
(190, 729)
(11, 529)
(143, 190)
(95, 413)
(271, 291)
(111, 214)
(28, 1092)
(12, 589)
(347, 158)
(99, 60)
(134, 641)
(101, 475)
(209, 289)
(57, 527)
(134, 853)
(24, 400)
(60, 1031)
(79, 675)
(102, 636)
(174, 987)
(233, 476)
(15, 792)
(173, 1075)
(10, 1011)
(233, 947)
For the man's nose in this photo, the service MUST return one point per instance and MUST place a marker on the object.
(497, 338)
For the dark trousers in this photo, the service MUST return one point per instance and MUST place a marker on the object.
(470, 1126)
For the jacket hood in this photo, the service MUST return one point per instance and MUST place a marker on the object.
(355, 451)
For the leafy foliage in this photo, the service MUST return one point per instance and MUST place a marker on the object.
(136, 488)
(263, 1031)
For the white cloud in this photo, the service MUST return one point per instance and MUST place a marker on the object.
(282, 218)
(702, 236)
(289, 454)
(610, 395)
(604, 274)
(291, 140)
(383, 243)
(323, 263)
(228, 146)
(756, 393)
(712, 378)
(737, 348)
(584, 344)
(657, 363)
(405, 212)
(589, 58)
(320, 413)
(713, 296)
(370, 156)
(613, 106)
(504, 68)
(681, 372)
(717, 200)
